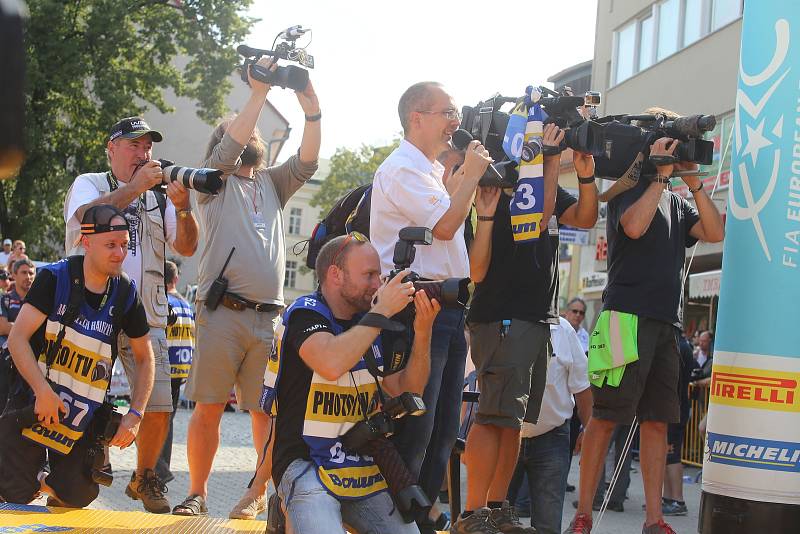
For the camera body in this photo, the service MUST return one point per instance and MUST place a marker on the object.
(291, 77)
(452, 292)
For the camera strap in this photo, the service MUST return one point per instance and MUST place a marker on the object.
(75, 268)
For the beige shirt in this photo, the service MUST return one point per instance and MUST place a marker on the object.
(247, 214)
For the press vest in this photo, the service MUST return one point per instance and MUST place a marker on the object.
(332, 408)
(81, 369)
(180, 338)
(154, 243)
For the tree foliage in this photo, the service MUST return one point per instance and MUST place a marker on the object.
(91, 62)
(350, 169)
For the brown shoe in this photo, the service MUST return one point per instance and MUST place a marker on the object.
(150, 490)
(248, 507)
(477, 523)
(507, 522)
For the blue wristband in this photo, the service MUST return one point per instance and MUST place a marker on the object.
(137, 413)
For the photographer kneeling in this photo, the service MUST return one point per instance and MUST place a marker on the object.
(63, 345)
(320, 380)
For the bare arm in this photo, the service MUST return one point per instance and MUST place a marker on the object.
(476, 161)
(332, 356)
(187, 230)
(583, 401)
(312, 131)
(142, 387)
(414, 377)
(242, 126)
(147, 176)
(5, 326)
(48, 404)
(709, 228)
(583, 214)
(552, 135)
(480, 252)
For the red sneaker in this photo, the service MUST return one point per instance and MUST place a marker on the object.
(581, 524)
(658, 528)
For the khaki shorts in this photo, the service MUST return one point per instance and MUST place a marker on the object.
(512, 371)
(232, 348)
(161, 397)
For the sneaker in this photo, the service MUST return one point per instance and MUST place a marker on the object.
(478, 523)
(507, 521)
(248, 507)
(659, 528)
(672, 508)
(150, 490)
(581, 524)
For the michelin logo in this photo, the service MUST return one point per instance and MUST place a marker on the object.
(753, 453)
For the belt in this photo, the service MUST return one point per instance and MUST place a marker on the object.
(235, 302)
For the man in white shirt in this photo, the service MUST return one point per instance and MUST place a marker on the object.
(576, 314)
(5, 253)
(408, 191)
(545, 451)
(155, 222)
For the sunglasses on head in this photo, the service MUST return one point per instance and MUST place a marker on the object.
(356, 236)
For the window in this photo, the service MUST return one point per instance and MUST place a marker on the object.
(295, 218)
(668, 26)
(663, 29)
(692, 21)
(724, 11)
(290, 280)
(625, 52)
(646, 29)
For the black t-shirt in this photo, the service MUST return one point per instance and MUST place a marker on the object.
(522, 279)
(645, 275)
(42, 294)
(293, 387)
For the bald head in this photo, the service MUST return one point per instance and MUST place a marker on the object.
(418, 97)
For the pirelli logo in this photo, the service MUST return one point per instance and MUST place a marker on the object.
(755, 388)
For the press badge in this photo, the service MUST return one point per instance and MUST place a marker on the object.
(259, 223)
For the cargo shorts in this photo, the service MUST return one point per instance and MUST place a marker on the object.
(512, 370)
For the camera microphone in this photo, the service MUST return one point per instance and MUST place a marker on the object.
(293, 33)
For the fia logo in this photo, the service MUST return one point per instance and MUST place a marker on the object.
(755, 139)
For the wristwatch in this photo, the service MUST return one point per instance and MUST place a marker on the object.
(184, 213)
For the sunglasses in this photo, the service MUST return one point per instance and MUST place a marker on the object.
(356, 236)
(579, 312)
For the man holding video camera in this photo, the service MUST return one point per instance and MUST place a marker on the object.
(240, 284)
(325, 390)
(515, 302)
(648, 228)
(155, 222)
(63, 345)
(408, 191)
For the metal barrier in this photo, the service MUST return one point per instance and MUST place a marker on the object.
(694, 439)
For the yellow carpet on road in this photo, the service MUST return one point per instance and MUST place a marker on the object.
(26, 518)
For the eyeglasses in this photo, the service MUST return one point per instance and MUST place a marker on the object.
(358, 236)
(449, 114)
(579, 312)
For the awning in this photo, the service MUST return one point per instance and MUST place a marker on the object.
(704, 285)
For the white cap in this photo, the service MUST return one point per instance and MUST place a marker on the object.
(7, 242)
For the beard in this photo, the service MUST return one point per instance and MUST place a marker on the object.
(360, 299)
(253, 154)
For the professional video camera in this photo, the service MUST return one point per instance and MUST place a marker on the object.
(208, 181)
(452, 292)
(292, 77)
(369, 437)
(490, 125)
(628, 145)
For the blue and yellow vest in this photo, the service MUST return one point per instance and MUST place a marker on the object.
(81, 370)
(332, 408)
(180, 337)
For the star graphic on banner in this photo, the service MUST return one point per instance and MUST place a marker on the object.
(755, 141)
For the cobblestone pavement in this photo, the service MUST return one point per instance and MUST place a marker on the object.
(235, 462)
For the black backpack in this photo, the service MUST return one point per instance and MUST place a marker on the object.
(349, 214)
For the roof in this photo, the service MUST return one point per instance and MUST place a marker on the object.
(570, 72)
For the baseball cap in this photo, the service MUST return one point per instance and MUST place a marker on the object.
(131, 128)
(7, 242)
(97, 220)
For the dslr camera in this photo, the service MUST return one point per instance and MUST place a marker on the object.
(452, 292)
(370, 437)
(208, 181)
(292, 76)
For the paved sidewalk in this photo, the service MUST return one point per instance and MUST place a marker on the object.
(235, 463)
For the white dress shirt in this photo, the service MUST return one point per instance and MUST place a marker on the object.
(408, 191)
(566, 375)
(583, 337)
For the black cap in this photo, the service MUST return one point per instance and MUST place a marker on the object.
(131, 128)
(97, 220)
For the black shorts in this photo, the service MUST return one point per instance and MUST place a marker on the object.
(21, 461)
(674, 442)
(649, 386)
